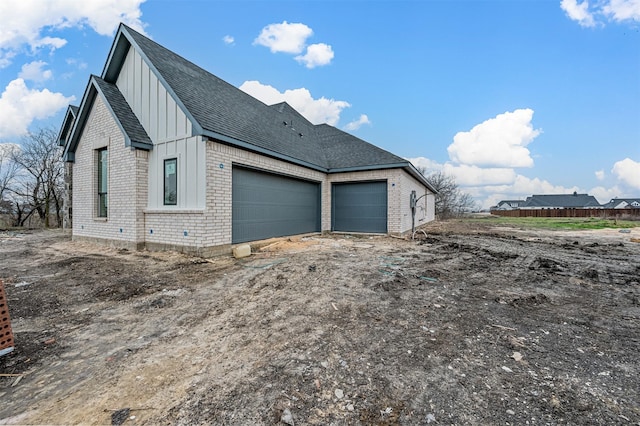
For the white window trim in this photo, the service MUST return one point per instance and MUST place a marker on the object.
(179, 178)
(96, 197)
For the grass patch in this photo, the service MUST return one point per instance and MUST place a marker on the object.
(568, 223)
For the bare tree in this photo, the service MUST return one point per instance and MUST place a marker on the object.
(451, 201)
(39, 185)
(8, 168)
(8, 172)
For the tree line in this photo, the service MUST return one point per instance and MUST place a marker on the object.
(32, 181)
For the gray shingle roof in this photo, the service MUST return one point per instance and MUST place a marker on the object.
(561, 200)
(617, 201)
(134, 133)
(343, 150)
(222, 110)
(123, 113)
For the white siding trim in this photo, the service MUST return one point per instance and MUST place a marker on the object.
(157, 111)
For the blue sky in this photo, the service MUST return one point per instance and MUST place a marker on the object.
(512, 98)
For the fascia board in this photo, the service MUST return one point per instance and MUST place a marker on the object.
(250, 147)
(127, 139)
(67, 123)
(87, 99)
(196, 128)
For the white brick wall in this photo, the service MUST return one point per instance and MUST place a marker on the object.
(127, 178)
(424, 207)
(197, 230)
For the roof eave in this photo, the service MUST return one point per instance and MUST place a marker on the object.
(72, 141)
(117, 56)
(67, 124)
(250, 147)
(416, 174)
(128, 142)
(369, 167)
(93, 89)
(407, 166)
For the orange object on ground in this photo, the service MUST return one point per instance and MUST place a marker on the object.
(6, 335)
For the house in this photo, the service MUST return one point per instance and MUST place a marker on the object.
(164, 155)
(508, 205)
(561, 201)
(623, 203)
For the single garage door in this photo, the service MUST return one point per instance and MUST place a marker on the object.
(359, 207)
(267, 205)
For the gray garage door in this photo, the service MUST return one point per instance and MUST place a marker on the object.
(359, 207)
(266, 205)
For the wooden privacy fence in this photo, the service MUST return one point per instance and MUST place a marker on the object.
(633, 214)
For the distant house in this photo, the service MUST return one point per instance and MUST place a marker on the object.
(623, 203)
(508, 205)
(162, 154)
(561, 201)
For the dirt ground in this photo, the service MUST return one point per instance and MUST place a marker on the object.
(472, 324)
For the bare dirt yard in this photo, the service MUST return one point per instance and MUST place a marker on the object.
(472, 324)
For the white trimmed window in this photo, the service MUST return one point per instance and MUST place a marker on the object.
(171, 182)
(103, 185)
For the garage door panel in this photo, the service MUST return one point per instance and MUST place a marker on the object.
(359, 207)
(267, 205)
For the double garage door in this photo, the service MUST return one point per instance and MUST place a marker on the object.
(267, 205)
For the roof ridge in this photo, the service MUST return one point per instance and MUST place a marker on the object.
(221, 111)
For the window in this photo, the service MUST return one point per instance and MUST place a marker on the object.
(171, 182)
(103, 160)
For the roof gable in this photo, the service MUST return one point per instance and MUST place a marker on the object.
(134, 134)
(220, 111)
(67, 124)
(623, 202)
(223, 112)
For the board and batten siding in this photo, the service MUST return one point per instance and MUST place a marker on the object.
(150, 102)
(171, 133)
(190, 153)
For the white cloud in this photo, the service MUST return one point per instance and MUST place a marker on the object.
(228, 39)
(292, 38)
(80, 64)
(497, 142)
(529, 186)
(578, 12)
(34, 71)
(466, 175)
(426, 163)
(603, 195)
(52, 42)
(23, 22)
(317, 111)
(317, 55)
(600, 12)
(19, 106)
(600, 175)
(356, 124)
(623, 10)
(284, 37)
(521, 188)
(628, 171)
